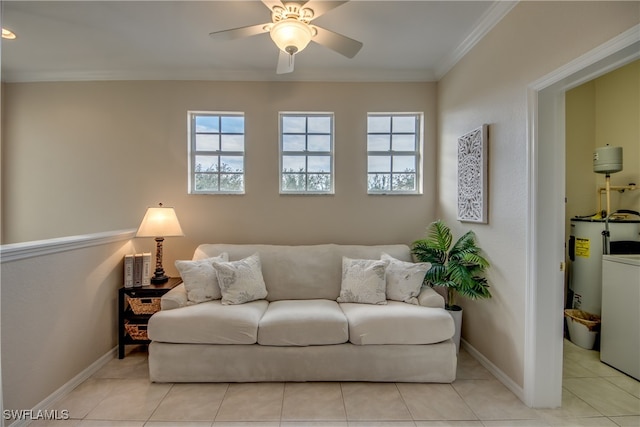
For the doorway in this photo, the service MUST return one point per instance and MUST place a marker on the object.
(546, 214)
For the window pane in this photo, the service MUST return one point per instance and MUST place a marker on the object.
(206, 142)
(293, 143)
(319, 124)
(378, 142)
(293, 182)
(293, 124)
(232, 124)
(207, 124)
(232, 142)
(379, 124)
(404, 182)
(404, 164)
(231, 182)
(293, 163)
(404, 124)
(404, 142)
(379, 164)
(231, 164)
(319, 164)
(206, 164)
(206, 182)
(319, 143)
(319, 182)
(379, 182)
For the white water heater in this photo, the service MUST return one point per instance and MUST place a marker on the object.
(586, 250)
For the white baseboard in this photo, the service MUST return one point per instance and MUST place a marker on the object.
(497, 372)
(69, 386)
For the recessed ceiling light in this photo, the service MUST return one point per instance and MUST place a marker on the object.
(8, 34)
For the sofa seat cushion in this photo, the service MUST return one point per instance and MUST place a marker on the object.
(208, 323)
(397, 323)
(303, 323)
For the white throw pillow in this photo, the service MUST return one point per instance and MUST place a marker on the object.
(200, 280)
(404, 279)
(241, 281)
(363, 281)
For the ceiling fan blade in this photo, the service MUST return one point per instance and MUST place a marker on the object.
(321, 7)
(334, 41)
(285, 63)
(237, 33)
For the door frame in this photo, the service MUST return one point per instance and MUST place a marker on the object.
(544, 315)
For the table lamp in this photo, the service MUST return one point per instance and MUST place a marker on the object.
(159, 222)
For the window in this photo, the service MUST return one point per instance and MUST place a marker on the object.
(306, 153)
(394, 143)
(216, 153)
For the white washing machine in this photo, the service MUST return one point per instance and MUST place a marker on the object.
(620, 328)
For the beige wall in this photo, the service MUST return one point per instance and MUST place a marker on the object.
(580, 142)
(603, 111)
(87, 157)
(489, 85)
(618, 124)
(59, 315)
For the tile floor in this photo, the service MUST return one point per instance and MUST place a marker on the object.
(120, 395)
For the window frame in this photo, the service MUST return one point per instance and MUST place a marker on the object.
(306, 153)
(193, 152)
(417, 153)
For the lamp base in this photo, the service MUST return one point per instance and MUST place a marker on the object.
(159, 277)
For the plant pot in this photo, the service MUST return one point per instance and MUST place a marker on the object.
(456, 312)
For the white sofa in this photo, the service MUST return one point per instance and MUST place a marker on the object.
(299, 332)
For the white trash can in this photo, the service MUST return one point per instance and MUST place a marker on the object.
(583, 327)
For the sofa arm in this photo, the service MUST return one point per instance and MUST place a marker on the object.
(175, 298)
(428, 297)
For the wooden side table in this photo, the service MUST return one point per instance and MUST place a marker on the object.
(135, 307)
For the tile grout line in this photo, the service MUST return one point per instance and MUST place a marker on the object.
(224, 395)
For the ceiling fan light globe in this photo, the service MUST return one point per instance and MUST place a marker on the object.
(291, 36)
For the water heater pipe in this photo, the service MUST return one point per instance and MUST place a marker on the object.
(608, 188)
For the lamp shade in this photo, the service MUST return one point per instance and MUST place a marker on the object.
(160, 222)
(291, 35)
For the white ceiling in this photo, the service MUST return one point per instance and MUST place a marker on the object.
(130, 40)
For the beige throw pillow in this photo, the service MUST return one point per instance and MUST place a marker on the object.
(200, 279)
(404, 279)
(363, 281)
(241, 281)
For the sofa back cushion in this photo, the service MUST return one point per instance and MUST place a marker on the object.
(302, 272)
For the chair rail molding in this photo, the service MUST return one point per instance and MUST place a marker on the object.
(24, 250)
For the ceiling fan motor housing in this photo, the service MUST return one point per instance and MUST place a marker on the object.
(291, 10)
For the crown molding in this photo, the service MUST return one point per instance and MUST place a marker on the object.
(491, 17)
(312, 75)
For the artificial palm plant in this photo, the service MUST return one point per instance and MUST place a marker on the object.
(458, 268)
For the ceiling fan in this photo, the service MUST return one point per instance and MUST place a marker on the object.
(291, 30)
